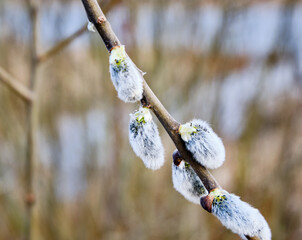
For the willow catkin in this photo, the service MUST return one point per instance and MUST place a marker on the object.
(186, 181)
(126, 77)
(200, 139)
(145, 140)
(237, 215)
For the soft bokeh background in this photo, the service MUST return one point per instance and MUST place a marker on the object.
(236, 64)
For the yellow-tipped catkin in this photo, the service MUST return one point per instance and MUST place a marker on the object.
(145, 140)
(126, 77)
(239, 216)
(200, 139)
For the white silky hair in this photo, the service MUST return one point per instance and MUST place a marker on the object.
(239, 216)
(206, 147)
(187, 183)
(146, 143)
(91, 27)
(126, 77)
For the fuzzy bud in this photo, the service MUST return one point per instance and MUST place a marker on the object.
(186, 181)
(200, 139)
(145, 140)
(238, 216)
(126, 77)
(91, 27)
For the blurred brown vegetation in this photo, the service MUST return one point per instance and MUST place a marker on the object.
(236, 65)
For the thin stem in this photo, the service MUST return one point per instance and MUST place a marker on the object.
(31, 125)
(17, 87)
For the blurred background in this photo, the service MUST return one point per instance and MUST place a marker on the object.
(236, 64)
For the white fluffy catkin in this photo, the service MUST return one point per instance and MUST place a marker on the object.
(126, 77)
(186, 182)
(145, 140)
(239, 216)
(200, 139)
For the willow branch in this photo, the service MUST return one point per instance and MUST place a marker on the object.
(14, 85)
(97, 17)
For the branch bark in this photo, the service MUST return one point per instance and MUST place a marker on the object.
(18, 88)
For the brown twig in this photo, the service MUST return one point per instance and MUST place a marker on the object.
(97, 17)
(16, 86)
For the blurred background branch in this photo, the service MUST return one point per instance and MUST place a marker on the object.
(31, 121)
(61, 44)
(32, 106)
(16, 86)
